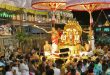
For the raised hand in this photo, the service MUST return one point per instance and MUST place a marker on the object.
(41, 28)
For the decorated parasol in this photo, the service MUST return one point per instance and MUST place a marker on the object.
(51, 5)
(89, 6)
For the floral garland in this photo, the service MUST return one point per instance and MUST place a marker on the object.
(13, 8)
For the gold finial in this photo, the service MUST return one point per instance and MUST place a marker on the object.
(107, 23)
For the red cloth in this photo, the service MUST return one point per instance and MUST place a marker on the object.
(55, 37)
(60, 33)
(55, 40)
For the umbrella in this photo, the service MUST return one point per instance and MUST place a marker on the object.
(51, 5)
(48, 4)
(89, 6)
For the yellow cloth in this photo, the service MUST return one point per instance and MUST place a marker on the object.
(93, 58)
(84, 57)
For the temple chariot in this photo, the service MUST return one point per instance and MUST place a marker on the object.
(71, 37)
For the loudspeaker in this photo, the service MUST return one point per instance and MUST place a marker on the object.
(64, 55)
(64, 50)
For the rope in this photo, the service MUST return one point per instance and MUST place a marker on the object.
(98, 17)
(106, 16)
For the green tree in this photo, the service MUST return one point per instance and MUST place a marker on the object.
(21, 36)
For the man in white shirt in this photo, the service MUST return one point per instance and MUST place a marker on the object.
(56, 70)
(24, 68)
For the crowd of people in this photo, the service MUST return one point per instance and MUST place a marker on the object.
(19, 63)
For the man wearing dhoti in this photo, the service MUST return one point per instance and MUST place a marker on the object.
(47, 49)
(54, 38)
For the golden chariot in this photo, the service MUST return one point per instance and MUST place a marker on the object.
(71, 37)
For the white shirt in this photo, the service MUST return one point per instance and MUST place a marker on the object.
(108, 71)
(9, 73)
(24, 69)
(16, 69)
(56, 71)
